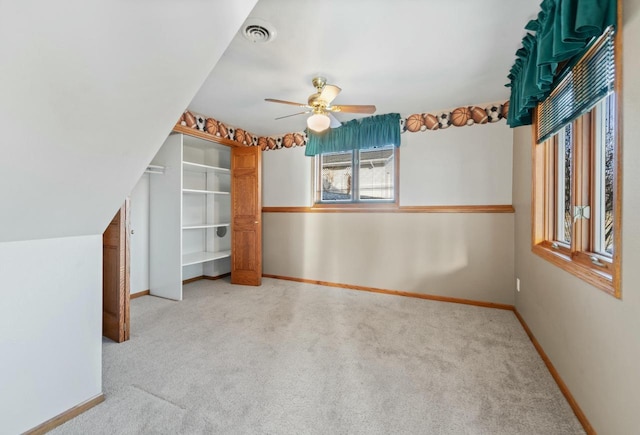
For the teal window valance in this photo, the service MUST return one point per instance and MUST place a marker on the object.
(562, 31)
(371, 132)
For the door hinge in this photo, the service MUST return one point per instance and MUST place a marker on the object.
(581, 212)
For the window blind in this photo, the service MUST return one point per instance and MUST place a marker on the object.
(589, 80)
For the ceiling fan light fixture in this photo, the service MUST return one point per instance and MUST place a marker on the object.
(318, 122)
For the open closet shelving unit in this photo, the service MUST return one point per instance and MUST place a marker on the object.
(190, 214)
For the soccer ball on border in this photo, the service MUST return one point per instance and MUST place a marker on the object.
(444, 119)
(200, 122)
(494, 113)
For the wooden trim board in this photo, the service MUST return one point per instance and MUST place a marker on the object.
(396, 292)
(178, 128)
(140, 294)
(391, 208)
(65, 416)
(582, 418)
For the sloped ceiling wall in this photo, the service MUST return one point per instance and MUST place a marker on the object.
(89, 90)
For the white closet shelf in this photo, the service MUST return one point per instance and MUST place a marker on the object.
(198, 167)
(206, 192)
(202, 257)
(198, 227)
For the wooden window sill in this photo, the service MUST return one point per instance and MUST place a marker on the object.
(592, 275)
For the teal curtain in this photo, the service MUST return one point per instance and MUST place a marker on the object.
(562, 31)
(357, 134)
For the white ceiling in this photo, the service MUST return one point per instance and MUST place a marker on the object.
(88, 93)
(405, 56)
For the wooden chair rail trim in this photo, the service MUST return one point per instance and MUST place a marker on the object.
(390, 208)
(395, 292)
(67, 415)
(140, 294)
(582, 418)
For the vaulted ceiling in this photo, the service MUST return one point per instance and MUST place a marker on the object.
(405, 56)
(89, 90)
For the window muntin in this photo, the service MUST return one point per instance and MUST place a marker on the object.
(367, 176)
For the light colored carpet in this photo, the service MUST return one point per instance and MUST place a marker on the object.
(290, 358)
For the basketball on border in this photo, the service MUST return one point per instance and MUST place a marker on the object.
(461, 116)
(287, 140)
(239, 136)
(414, 123)
(211, 126)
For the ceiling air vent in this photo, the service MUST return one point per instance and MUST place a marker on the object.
(256, 30)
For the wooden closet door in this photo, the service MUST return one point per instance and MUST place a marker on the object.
(246, 216)
(115, 277)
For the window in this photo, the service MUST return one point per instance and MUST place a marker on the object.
(576, 218)
(364, 177)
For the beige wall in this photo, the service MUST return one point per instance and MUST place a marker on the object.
(592, 338)
(456, 166)
(456, 255)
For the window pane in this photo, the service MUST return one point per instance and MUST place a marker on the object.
(337, 169)
(604, 162)
(376, 174)
(563, 184)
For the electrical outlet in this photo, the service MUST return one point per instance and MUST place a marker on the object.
(518, 284)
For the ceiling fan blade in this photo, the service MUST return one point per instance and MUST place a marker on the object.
(295, 114)
(329, 92)
(273, 100)
(334, 121)
(353, 109)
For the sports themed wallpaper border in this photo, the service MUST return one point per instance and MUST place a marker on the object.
(459, 117)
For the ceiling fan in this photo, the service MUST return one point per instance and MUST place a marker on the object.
(320, 105)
